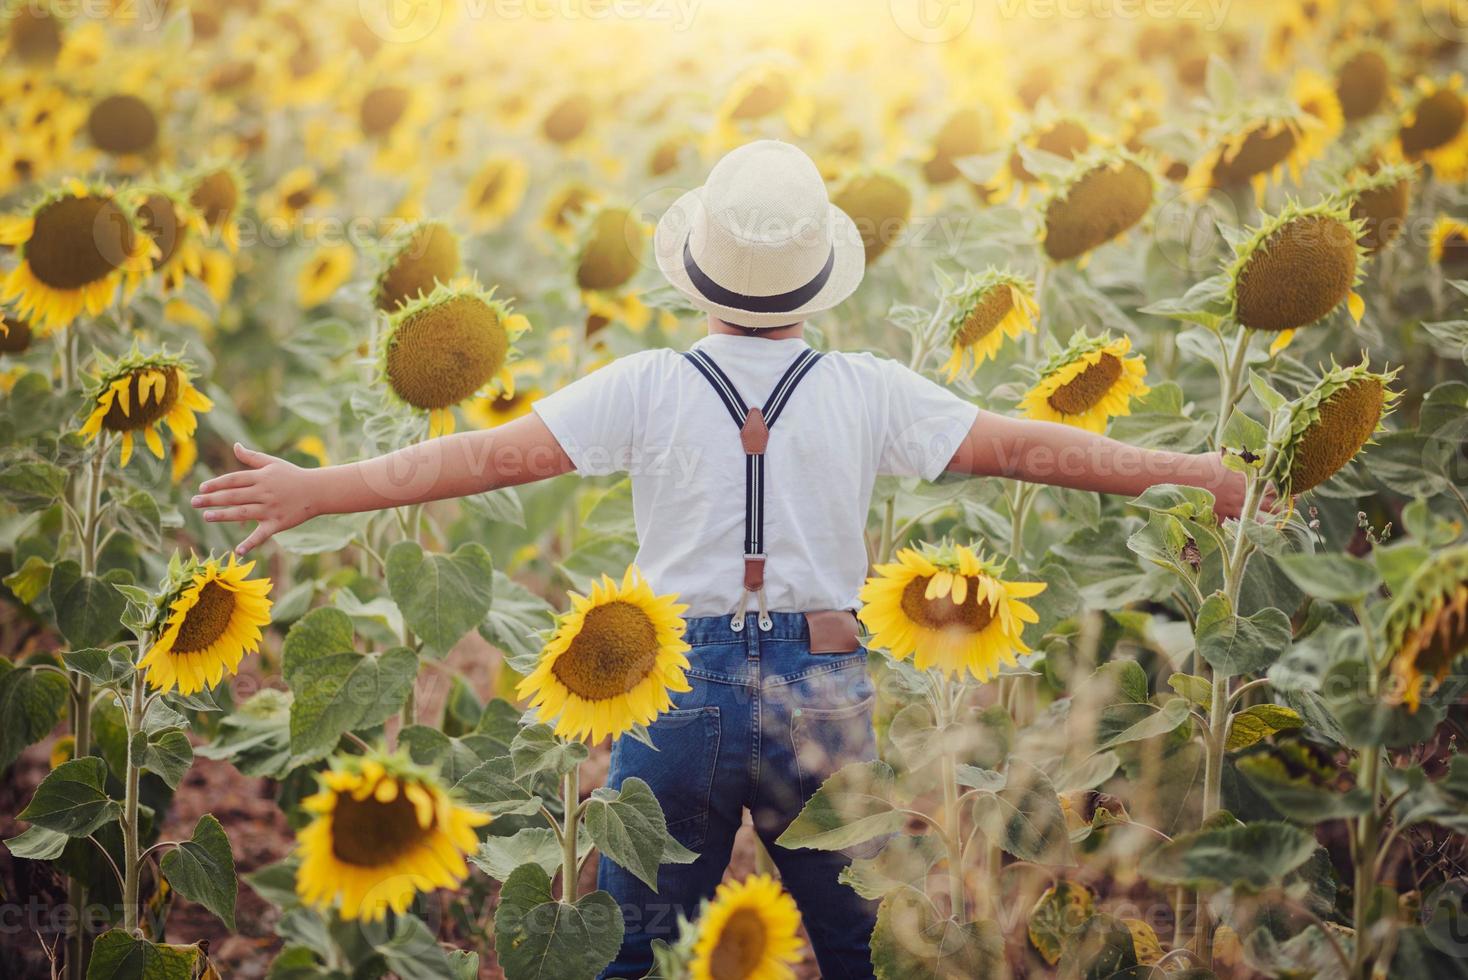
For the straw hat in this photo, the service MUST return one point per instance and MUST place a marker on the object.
(760, 244)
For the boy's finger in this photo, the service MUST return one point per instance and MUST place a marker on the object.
(233, 515)
(223, 498)
(252, 458)
(257, 537)
(227, 481)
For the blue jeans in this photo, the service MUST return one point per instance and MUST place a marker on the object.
(766, 722)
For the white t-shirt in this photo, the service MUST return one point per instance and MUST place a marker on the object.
(653, 415)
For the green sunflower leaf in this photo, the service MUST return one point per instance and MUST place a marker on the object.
(72, 799)
(1251, 856)
(118, 956)
(913, 939)
(538, 938)
(1331, 576)
(442, 597)
(629, 828)
(1235, 645)
(854, 805)
(202, 869)
(31, 702)
(88, 608)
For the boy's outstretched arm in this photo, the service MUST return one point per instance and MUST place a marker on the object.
(1064, 456)
(279, 495)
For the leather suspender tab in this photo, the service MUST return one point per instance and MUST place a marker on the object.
(754, 572)
(754, 434)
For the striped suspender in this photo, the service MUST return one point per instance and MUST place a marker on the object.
(754, 433)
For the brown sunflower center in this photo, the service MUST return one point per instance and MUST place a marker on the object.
(1066, 138)
(161, 223)
(35, 36)
(1382, 212)
(1438, 119)
(985, 317)
(1361, 84)
(943, 613)
(567, 119)
(1085, 390)
(369, 834)
(741, 946)
(1297, 275)
(1454, 250)
(122, 124)
(963, 134)
(1262, 149)
(1347, 419)
(382, 108)
(1102, 204)
(765, 96)
(17, 335)
(216, 197)
(613, 251)
(879, 206)
(429, 257)
(207, 621)
(442, 354)
(78, 241)
(611, 654)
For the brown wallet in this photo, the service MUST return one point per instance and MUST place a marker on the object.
(833, 631)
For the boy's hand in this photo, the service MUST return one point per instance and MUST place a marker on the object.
(1229, 487)
(271, 491)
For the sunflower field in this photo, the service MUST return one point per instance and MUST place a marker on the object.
(1118, 737)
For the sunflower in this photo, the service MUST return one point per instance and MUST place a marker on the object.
(174, 227)
(1330, 424)
(1435, 128)
(1380, 201)
(294, 194)
(500, 407)
(423, 257)
(880, 204)
(994, 305)
(209, 616)
(947, 608)
(1087, 384)
(565, 205)
(448, 347)
(1363, 82)
(611, 253)
(1296, 268)
(35, 35)
(495, 192)
(77, 246)
(324, 272)
(135, 394)
(217, 193)
(1256, 153)
(1064, 137)
(124, 126)
(966, 133)
(15, 334)
(612, 662)
(761, 93)
(1108, 194)
(382, 830)
(1448, 246)
(568, 118)
(1315, 96)
(1427, 626)
(749, 931)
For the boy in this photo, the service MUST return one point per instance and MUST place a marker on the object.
(752, 461)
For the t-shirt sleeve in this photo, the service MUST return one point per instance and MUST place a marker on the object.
(595, 418)
(926, 423)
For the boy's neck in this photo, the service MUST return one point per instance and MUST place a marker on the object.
(793, 330)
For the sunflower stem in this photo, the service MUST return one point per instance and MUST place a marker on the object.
(952, 831)
(131, 858)
(1368, 839)
(571, 800)
(1230, 382)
